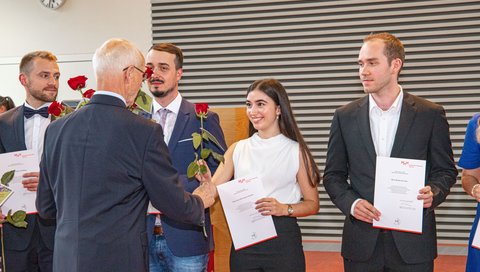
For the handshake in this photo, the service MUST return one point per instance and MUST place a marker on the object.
(207, 190)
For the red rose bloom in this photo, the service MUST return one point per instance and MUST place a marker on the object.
(77, 82)
(56, 108)
(148, 72)
(201, 108)
(88, 93)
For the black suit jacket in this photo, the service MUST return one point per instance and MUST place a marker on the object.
(100, 167)
(12, 138)
(422, 133)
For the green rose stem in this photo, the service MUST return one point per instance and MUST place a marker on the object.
(4, 269)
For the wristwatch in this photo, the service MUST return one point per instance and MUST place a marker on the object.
(289, 210)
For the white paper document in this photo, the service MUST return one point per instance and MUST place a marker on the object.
(397, 182)
(476, 238)
(247, 226)
(22, 162)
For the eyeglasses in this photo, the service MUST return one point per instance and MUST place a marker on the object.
(145, 74)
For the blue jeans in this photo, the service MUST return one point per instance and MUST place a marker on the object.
(163, 260)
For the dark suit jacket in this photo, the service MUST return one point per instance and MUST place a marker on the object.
(184, 239)
(12, 138)
(100, 167)
(422, 133)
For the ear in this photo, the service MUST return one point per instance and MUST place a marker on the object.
(179, 74)
(278, 111)
(396, 65)
(23, 79)
(127, 76)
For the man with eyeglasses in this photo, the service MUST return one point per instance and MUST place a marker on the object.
(176, 246)
(22, 128)
(101, 166)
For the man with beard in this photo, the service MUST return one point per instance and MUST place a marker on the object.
(176, 246)
(22, 128)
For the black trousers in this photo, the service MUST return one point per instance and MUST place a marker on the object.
(386, 258)
(284, 253)
(37, 257)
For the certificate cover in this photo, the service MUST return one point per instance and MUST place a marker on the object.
(397, 182)
(22, 162)
(247, 226)
(5, 193)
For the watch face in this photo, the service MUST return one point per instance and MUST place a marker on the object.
(52, 4)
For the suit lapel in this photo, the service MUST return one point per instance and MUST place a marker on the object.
(363, 122)
(180, 124)
(407, 116)
(19, 128)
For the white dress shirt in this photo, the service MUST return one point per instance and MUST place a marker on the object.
(383, 127)
(174, 108)
(34, 129)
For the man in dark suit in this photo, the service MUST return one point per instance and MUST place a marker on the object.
(100, 167)
(22, 128)
(176, 246)
(387, 122)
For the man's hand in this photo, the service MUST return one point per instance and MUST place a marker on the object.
(2, 217)
(364, 211)
(31, 181)
(207, 191)
(427, 195)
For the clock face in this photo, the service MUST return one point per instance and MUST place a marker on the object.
(52, 4)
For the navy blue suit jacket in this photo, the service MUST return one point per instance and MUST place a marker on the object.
(100, 167)
(12, 138)
(184, 239)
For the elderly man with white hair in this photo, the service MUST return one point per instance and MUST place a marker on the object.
(100, 167)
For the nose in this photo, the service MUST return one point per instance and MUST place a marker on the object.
(364, 70)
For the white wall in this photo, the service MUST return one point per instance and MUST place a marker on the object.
(72, 33)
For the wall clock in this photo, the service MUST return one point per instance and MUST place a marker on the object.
(52, 4)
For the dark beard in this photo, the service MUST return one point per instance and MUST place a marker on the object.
(162, 94)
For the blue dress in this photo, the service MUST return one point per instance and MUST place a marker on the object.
(470, 159)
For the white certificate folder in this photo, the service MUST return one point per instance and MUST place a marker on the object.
(247, 226)
(22, 162)
(397, 185)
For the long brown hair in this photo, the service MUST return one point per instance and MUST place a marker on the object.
(288, 126)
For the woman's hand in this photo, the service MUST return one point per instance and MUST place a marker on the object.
(270, 206)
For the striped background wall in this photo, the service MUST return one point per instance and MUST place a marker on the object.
(312, 48)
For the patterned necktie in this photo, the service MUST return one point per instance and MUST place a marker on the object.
(28, 112)
(163, 117)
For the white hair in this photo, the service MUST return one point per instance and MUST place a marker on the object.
(115, 55)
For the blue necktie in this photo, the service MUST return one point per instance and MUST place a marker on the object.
(28, 112)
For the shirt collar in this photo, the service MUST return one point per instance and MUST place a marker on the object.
(111, 94)
(42, 106)
(395, 106)
(174, 106)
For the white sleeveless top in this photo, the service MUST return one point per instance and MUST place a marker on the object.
(274, 160)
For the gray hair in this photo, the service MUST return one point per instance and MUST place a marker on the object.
(115, 55)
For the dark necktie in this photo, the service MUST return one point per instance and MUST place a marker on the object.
(28, 112)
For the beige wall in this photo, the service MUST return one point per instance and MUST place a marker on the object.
(72, 32)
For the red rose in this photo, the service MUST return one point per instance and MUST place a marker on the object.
(77, 82)
(88, 93)
(56, 108)
(201, 108)
(148, 72)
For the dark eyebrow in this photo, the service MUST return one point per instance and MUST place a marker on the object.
(370, 59)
